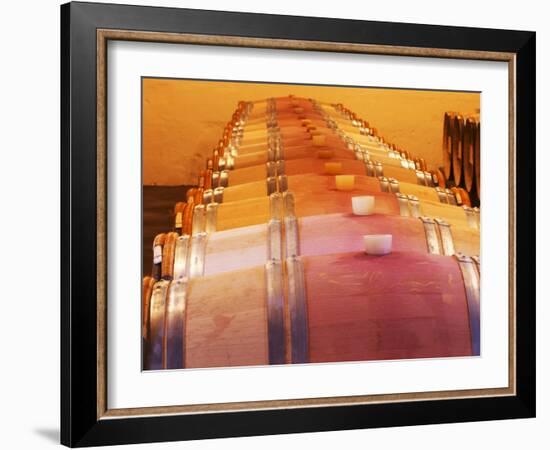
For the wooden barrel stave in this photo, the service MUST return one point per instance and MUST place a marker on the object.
(158, 244)
(154, 350)
(457, 143)
(247, 175)
(399, 173)
(243, 213)
(236, 249)
(455, 215)
(466, 240)
(256, 119)
(468, 159)
(447, 148)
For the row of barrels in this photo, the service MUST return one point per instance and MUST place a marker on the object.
(265, 262)
(461, 153)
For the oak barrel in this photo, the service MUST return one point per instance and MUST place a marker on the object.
(356, 308)
(447, 147)
(457, 148)
(468, 159)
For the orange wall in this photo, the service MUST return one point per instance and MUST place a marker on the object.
(183, 120)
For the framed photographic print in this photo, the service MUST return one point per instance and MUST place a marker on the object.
(277, 224)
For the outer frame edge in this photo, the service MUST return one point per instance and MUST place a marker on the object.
(104, 432)
(526, 224)
(65, 336)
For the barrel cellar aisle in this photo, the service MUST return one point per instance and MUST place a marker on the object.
(308, 237)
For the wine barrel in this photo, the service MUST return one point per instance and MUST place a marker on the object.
(304, 150)
(183, 217)
(168, 250)
(224, 298)
(345, 125)
(245, 247)
(457, 144)
(447, 147)
(342, 233)
(321, 148)
(199, 323)
(316, 165)
(257, 118)
(294, 144)
(287, 128)
(260, 136)
(261, 144)
(455, 215)
(378, 151)
(291, 101)
(200, 254)
(243, 213)
(158, 244)
(314, 184)
(312, 122)
(286, 121)
(326, 200)
(155, 344)
(282, 112)
(477, 158)
(399, 306)
(257, 210)
(356, 134)
(468, 159)
(239, 248)
(291, 128)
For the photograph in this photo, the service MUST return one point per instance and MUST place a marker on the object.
(306, 223)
